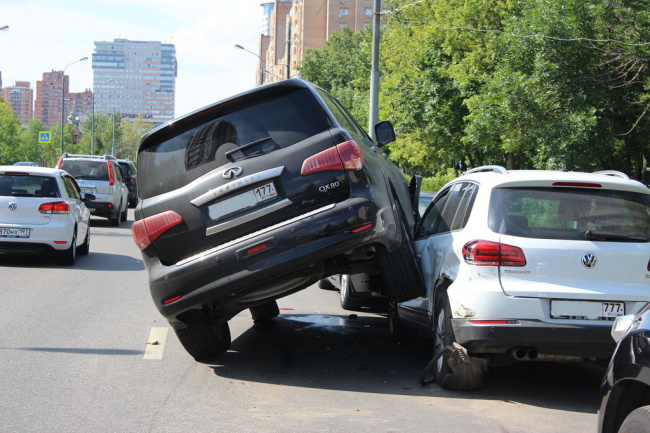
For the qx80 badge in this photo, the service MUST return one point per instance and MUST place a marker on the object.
(329, 186)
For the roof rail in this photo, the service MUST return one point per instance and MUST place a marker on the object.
(613, 173)
(75, 155)
(485, 168)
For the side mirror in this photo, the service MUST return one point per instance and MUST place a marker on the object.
(88, 197)
(384, 132)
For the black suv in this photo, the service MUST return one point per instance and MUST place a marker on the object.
(130, 180)
(261, 195)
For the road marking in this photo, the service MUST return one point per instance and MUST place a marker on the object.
(156, 343)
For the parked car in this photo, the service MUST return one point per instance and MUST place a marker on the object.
(532, 264)
(41, 211)
(261, 195)
(625, 391)
(129, 172)
(102, 177)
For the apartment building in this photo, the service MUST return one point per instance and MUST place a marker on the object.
(295, 25)
(20, 97)
(50, 100)
(135, 78)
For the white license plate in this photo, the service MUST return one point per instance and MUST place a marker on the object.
(243, 201)
(587, 310)
(6, 232)
(84, 190)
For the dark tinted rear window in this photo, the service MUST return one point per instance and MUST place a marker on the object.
(86, 168)
(258, 127)
(568, 213)
(28, 186)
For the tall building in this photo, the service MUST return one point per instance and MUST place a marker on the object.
(49, 100)
(295, 25)
(135, 78)
(21, 98)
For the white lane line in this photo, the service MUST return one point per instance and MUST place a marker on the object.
(156, 343)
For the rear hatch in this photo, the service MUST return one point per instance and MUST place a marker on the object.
(21, 195)
(91, 175)
(588, 243)
(233, 170)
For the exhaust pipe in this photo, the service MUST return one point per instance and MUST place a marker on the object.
(532, 354)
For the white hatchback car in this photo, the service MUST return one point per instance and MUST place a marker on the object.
(41, 210)
(530, 264)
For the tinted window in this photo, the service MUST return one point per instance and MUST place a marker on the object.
(71, 188)
(342, 116)
(86, 169)
(257, 128)
(432, 216)
(568, 213)
(29, 186)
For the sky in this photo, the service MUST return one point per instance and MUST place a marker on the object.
(48, 35)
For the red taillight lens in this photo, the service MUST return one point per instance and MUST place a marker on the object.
(111, 175)
(486, 253)
(346, 156)
(149, 229)
(59, 207)
(58, 163)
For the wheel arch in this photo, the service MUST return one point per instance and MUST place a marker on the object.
(624, 397)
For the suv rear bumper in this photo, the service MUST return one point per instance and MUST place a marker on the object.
(300, 254)
(99, 208)
(545, 338)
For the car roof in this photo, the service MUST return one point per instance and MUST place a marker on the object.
(500, 177)
(30, 169)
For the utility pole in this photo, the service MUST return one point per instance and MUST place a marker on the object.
(373, 113)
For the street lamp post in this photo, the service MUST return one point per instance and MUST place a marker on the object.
(63, 99)
(261, 79)
(92, 121)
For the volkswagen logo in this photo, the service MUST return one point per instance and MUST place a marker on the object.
(232, 172)
(589, 260)
(13, 206)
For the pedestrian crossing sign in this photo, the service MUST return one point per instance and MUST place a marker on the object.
(44, 137)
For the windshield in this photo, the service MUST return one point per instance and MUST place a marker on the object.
(571, 213)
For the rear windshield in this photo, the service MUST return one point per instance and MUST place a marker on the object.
(28, 186)
(256, 128)
(86, 169)
(568, 213)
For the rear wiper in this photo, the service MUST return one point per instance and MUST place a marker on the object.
(246, 146)
(601, 236)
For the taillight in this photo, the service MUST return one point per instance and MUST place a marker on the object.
(58, 163)
(346, 156)
(487, 253)
(58, 207)
(149, 229)
(111, 175)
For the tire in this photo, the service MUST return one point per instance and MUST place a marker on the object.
(204, 339)
(465, 377)
(325, 284)
(638, 421)
(264, 312)
(400, 269)
(133, 203)
(84, 249)
(346, 291)
(124, 215)
(69, 255)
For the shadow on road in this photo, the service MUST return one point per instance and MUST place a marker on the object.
(356, 354)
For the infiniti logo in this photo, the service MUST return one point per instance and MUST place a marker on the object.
(589, 260)
(13, 206)
(232, 172)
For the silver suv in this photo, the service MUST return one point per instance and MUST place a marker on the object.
(102, 177)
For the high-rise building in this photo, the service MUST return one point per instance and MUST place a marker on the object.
(21, 99)
(135, 78)
(293, 25)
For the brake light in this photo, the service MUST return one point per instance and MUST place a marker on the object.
(578, 184)
(344, 156)
(487, 253)
(58, 163)
(111, 175)
(58, 207)
(149, 229)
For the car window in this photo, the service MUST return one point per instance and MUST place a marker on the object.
(568, 213)
(467, 194)
(341, 114)
(126, 168)
(71, 188)
(278, 121)
(89, 169)
(29, 186)
(432, 216)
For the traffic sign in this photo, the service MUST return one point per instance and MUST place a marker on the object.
(44, 137)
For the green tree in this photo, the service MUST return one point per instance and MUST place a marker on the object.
(9, 135)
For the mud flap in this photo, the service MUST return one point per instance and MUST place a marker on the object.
(467, 371)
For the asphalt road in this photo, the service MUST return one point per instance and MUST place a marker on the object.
(76, 356)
